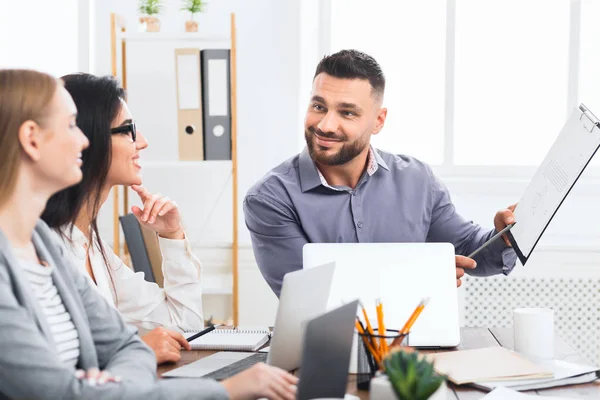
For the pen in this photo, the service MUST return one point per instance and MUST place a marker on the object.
(201, 333)
(369, 327)
(492, 239)
(414, 316)
(361, 330)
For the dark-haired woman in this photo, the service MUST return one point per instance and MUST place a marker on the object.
(113, 159)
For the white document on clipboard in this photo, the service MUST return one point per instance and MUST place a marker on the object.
(572, 151)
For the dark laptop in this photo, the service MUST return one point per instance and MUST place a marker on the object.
(326, 354)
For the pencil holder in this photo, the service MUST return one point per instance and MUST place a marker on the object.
(367, 365)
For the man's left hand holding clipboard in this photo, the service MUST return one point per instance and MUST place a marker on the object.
(503, 221)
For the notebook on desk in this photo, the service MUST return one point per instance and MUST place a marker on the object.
(237, 339)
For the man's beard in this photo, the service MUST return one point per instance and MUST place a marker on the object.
(344, 155)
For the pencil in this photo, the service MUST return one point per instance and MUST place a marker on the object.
(385, 344)
(380, 328)
(414, 316)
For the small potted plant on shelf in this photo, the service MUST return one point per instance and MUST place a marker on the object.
(193, 7)
(149, 10)
(408, 376)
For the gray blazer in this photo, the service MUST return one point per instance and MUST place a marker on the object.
(29, 364)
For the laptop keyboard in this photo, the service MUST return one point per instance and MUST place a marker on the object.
(237, 367)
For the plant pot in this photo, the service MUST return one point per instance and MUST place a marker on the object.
(381, 389)
(191, 26)
(152, 24)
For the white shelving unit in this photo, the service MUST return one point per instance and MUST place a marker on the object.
(195, 37)
(200, 188)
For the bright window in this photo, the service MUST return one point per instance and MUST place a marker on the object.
(511, 80)
(485, 83)
(414, 69)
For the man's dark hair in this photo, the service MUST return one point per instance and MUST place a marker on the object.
(353, 64)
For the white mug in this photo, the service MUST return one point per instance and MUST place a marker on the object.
(534, 332)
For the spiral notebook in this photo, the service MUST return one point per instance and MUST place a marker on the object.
(236, 339)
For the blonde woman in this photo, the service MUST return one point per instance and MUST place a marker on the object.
(55, 325)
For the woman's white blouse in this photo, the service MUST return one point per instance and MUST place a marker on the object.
(142, 303)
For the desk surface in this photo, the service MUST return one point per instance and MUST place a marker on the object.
(471, 338)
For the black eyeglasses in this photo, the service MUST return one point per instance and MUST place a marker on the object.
(127, 128)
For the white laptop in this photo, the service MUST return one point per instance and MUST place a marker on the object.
(401, 275)
(304, 296)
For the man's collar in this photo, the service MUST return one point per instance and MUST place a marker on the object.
(310, 176)
(379, 159)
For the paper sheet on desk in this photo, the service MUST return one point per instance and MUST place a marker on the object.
(508, 394)
(564, 373)
(567, 158)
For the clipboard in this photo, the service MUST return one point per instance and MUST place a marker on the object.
(574, 148)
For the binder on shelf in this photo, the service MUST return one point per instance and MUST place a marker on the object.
(189, 104)
(216, 94)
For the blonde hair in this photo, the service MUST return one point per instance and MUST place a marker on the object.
(25, 95)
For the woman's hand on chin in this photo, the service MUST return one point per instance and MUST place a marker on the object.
(159, 213)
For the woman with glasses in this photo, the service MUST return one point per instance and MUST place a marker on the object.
(113, 159)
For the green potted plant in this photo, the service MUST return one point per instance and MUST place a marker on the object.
(149, 10)
(408, 376)
(193, 7)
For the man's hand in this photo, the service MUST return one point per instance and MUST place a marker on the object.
(504, 218)
(463, 262)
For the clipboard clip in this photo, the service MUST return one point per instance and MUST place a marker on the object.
(590, 116)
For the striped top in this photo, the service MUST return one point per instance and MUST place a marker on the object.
(63, 330)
